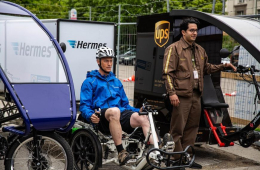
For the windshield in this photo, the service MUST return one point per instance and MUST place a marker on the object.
(250, 29)
(26, 52)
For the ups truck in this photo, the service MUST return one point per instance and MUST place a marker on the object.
(155, 33)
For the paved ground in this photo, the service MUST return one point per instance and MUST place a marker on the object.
(211, 157)
(214, 157)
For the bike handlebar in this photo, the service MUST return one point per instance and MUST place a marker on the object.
(146, 113)
(242, 69)
(146, 108)
(143, 113)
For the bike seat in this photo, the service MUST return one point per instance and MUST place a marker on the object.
(209, 97)
(215, 105)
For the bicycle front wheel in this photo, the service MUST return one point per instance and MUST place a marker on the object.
(54, 153)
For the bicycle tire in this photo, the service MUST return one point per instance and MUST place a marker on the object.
(49, 141)
(85, 153)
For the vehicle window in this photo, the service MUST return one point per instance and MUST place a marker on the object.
(26, 52)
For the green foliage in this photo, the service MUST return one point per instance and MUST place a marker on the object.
(228, 42)
(107, 10)
(45, 9)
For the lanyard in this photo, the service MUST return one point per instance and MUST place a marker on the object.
(193, 58)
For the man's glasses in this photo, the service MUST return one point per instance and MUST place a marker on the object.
(193, 30)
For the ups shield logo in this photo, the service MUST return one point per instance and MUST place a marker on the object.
(161, 34)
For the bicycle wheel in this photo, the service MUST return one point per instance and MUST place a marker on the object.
(85, 151)
(54, 153)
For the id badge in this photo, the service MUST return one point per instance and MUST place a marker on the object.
(196, 75)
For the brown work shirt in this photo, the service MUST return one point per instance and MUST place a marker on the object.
(178, 68)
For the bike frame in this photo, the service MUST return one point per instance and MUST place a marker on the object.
(149, 133)
(255, 122)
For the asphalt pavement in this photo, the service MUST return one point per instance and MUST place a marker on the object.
(212, 157)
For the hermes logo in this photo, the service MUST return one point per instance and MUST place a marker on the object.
(161, 33)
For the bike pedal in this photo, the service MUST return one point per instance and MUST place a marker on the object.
(154, 161)
(130, 162)
(169, 147)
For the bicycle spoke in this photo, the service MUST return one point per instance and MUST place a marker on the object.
(89, 161)
(78, 147)
(77, 153)
(91, 154)
(78, 159)
(81, 142)
(58, 155)
(51, 149)
(81, 164)
(86, 165)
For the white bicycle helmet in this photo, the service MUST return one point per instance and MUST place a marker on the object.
(105, 52)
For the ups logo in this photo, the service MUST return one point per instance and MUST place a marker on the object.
(161, 34)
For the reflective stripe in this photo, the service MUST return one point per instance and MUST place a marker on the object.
(168, 60)
(169, 80)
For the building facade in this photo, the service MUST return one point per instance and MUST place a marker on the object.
(242, 7)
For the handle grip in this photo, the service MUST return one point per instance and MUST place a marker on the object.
(143, 113)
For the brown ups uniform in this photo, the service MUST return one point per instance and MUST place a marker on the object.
(180, 62)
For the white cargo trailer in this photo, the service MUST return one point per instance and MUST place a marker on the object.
(15, 51)
(82, 39)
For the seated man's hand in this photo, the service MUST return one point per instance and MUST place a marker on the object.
(94, 118)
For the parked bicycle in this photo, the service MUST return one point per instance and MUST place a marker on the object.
(247, 136)
(214, 113)
(37, 81)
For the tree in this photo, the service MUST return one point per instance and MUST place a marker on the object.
(107, 10)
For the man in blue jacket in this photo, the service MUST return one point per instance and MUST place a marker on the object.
(103, 90)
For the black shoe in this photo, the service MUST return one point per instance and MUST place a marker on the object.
(176, 163)
(196, 166)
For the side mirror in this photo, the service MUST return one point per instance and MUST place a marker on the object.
(224, 53)
(237, 48)
(63, 46)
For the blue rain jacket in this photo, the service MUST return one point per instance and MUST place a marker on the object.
(102, 92)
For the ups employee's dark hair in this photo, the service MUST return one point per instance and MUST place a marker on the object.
(187, 21)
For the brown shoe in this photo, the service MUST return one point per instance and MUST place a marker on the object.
(167, 144)
(123, 157)
(167, 138)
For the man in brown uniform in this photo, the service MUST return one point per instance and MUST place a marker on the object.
(185, 63)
